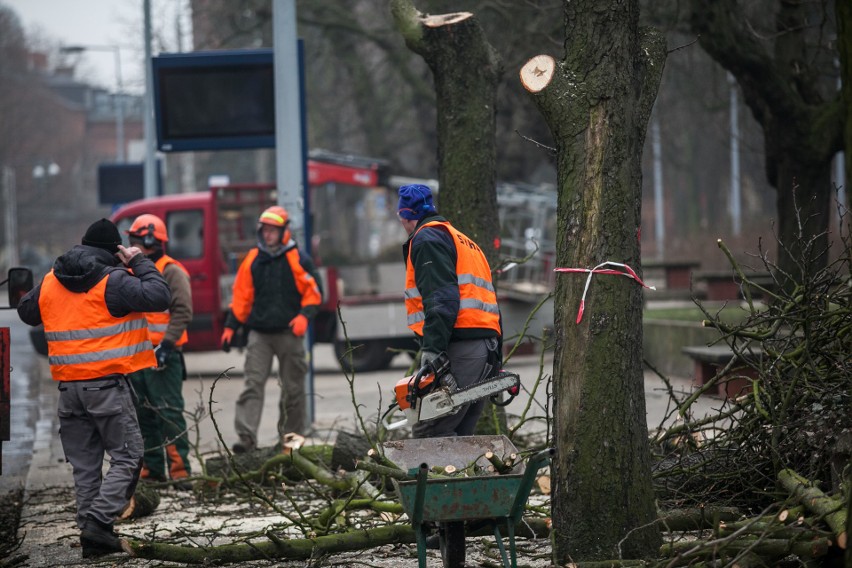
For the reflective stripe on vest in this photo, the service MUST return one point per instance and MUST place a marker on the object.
(84, 341)
(158, 322)
(478, 300)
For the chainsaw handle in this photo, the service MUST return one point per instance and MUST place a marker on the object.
(512, 391)
(415, 381)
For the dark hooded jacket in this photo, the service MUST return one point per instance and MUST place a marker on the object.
(83, 266)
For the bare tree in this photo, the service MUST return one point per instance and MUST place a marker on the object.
(597, 102)
(466, 69)
(784, 68)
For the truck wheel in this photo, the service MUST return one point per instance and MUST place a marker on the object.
(365, 356)
(451, 539)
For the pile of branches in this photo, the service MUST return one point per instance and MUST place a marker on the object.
(786, 440)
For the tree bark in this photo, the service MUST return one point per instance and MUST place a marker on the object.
(802, 127)
(843, 12)
(597, 103)
(466, 69)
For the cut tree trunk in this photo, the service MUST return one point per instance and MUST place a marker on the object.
(467, 70)
(597, 102)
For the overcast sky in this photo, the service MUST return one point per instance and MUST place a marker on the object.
(99, 23)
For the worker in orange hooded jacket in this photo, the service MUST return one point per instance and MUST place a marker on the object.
(275, 294)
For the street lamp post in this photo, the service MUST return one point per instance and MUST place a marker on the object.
(119, 104)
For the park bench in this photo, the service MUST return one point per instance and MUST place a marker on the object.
(709, 361)
(726, 284)
(677, 274)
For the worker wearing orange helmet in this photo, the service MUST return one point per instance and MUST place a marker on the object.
(159, 390)
(276, 292)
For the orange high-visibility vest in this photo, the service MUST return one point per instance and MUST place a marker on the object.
(158, 322)
(242, 298)
(84, 341)
(478, 307)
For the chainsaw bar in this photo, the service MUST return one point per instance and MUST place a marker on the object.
(490, 386)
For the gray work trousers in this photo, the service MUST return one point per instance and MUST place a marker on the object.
(97, 417)
(469, 364)
(292, 367)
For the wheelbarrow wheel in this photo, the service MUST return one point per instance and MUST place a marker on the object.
(451, 540)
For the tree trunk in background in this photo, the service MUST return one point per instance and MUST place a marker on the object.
(844, 47)
(597, 103)
(466, 69)
(801, 116)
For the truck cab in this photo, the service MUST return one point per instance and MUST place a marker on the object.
(355, 241)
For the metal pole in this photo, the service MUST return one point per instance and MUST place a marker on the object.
(289, 160)
(119, 108)
(734, 207)
(148, 123)
(289, 153)
(8, 177)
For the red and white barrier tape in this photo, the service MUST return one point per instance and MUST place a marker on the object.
(629, 272)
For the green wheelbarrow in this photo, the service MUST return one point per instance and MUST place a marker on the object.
(482, 499)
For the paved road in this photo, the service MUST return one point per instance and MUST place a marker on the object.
(33, 458)
(34, 427)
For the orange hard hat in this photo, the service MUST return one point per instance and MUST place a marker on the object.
(276, 216)
(149, 225)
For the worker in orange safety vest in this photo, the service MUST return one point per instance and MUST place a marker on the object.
(276, 292)
(159, 389)
(450, 302)
(92, 304)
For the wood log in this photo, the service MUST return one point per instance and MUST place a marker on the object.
(302, 549)
(274, 547)
(772, 530)
(348, 449)
(499, 465)
(318, 472)
(697, 519)
(814, 500)
(379, 469)
(263, 459)
(764, 547)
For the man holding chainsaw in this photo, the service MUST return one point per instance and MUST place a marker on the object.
(451, 304)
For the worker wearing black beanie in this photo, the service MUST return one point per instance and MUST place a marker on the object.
(103, 234)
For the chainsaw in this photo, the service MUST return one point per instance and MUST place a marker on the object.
(432, 393)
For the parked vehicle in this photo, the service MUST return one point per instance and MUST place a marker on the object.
(355, 242)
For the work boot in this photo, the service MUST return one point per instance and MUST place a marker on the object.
(182, 484)
(149, 476)
(98, 539)
(244, 446)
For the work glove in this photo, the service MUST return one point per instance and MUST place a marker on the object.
(427, 357)
(299, 325)
(163, 351)
(225, 342)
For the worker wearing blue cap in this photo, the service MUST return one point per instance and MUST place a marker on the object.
(451, 303)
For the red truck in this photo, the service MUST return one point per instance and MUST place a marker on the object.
(355, 241)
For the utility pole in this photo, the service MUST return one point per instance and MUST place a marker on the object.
(734, 205)
(289, 161)
(150, 171)
(289, 148)
(7, 176)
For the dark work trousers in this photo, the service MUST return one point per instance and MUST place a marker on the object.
(97, 417)
(159, 406)
(292, 367)
(469, 364)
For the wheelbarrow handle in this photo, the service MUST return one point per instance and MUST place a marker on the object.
(535, 463)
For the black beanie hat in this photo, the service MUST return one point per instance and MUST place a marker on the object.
(103, 234)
